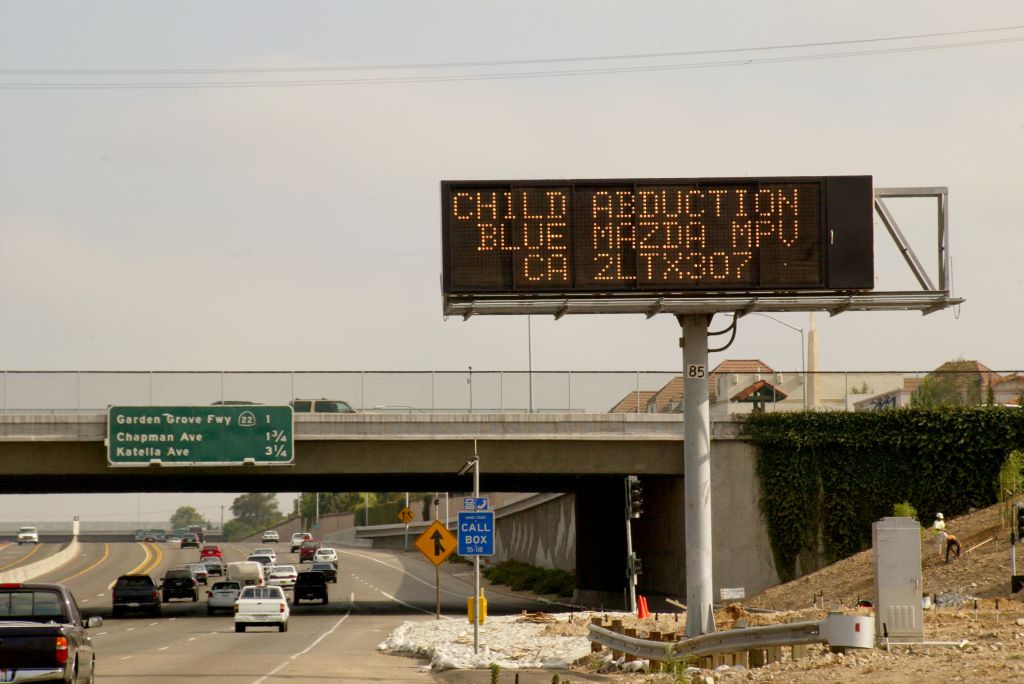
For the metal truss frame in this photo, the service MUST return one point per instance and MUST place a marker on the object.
(928, 299)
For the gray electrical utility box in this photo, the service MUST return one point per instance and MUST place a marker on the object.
(897, 543)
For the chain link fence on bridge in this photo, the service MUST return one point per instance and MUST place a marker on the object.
(413, 392)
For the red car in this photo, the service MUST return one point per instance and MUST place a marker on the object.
(211, 550)
(308, 550)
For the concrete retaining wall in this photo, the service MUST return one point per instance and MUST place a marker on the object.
(539, 530)
(26, 573)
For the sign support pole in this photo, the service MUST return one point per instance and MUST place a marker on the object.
(630, 575)
(436, 543)
(476, 559)
(697, 475)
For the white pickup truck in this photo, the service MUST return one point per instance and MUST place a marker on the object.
(28, 535)
(261, 606)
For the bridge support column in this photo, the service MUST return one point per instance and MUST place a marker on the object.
(697, 471)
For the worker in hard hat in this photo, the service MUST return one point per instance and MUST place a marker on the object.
(939, 531)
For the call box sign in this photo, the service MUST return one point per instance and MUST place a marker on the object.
(476, 533)
(657, 236)
(200, 435)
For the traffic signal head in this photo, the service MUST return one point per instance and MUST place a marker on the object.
(635, 565)
(636, 497)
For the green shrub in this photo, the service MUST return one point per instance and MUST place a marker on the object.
(527, 580)
(505, 572)
(1011, 476)
(520, 576)
(904, 510)
(557, 582)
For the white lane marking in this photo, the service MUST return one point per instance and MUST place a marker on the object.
(101, 633)
(85, 600)
(126, 658)
(409, 605)
(100, 595)
(173, 619)
(151, 624)
(163, 648)
(352, 600)
(130, 629)
(401, 570)
(397, 600)
(192, 639)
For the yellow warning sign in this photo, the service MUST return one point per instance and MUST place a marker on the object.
(436, 543)
(406, 515)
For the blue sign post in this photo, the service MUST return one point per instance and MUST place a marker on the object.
(476, 533)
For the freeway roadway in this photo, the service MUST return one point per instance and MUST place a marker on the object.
(376, 591)
(13, 556)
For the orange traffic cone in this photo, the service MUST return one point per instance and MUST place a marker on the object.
(642, 611)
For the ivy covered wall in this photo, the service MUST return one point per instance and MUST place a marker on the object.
(826, 476)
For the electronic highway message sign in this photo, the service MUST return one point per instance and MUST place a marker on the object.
(593, 237)
(200, 435)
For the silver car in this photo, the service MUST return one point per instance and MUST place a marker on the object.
(265, 551)
(282, 576)
(199, 572)
(265, 561)
(222, 596)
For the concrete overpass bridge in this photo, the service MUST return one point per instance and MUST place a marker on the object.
(586, 454)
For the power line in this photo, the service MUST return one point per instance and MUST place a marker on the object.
(158, 85)
(493, 63)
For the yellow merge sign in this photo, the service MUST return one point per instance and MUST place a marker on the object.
(436, 543)
(406, 515)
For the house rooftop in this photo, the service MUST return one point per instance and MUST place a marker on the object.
(629, 403)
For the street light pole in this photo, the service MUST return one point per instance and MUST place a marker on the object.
(474, 463)
(529, 357)
(476, 559)
(803, 355)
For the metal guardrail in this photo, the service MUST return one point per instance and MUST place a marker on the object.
(849, 631)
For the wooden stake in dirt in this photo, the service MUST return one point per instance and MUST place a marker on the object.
(979, 544)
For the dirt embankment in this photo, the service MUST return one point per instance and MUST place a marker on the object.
(979, 639)
(983, 569)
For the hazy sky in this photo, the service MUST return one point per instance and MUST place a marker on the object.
(298, 226)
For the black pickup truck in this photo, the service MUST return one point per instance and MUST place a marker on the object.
(310, 586)
(42, 635)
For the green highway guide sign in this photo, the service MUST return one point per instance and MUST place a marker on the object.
(200, 435)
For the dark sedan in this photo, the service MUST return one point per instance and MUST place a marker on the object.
(330, 572)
